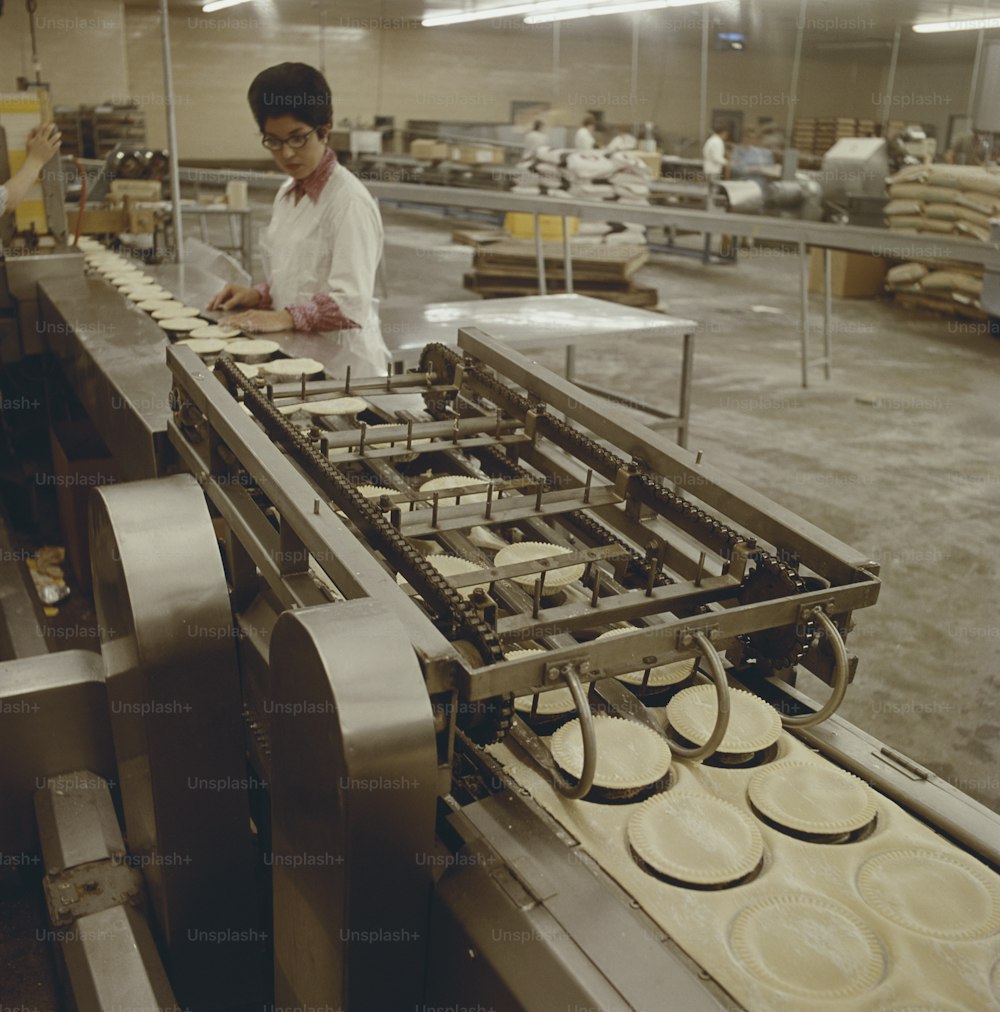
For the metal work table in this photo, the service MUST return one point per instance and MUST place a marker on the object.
(114, 357)
(545, 321)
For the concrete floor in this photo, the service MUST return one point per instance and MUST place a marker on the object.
(897, 455)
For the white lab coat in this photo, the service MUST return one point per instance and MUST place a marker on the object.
(533, 140)
(332, 246)
(584, 140)
(714, 156)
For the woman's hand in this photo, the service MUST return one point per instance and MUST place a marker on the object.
(43, 142)
(236, 297)
(261, 321)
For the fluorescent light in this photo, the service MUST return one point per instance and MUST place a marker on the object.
(486, 13)
(965, 25)
(598, 10)
(218, 5)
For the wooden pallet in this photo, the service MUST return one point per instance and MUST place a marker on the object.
(591, 261)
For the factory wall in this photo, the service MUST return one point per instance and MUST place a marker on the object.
(82, 49)
(393, 67)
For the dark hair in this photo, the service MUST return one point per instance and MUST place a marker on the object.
(291, 89)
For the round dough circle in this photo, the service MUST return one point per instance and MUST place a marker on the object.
(152, 305)
(695, 838)
(140, 293)
(213, 330)
(292, 368)
(454, 565)
(809, 798)
(204, 345)
(336, 406)
(250, 371)
(530, 551)
(127, 278)
(934, 893)
(456, 482)
(550, 704)
(374, 491)
(753, 724)
(661, 675)
(174, 311)
(180, 324)
(630, 756)
(808, 945)
(251, 347)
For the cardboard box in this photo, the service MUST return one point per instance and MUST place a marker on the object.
(476, 154)
(80, 462)
(852, 275)
(430, 151)
(653, 160)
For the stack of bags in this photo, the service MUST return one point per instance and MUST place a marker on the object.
(953, 200)
(939, 285)
(944, 199)
(620, 177)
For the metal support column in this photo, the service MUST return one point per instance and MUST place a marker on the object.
(175, 177)
(540, 256)
(804, 309)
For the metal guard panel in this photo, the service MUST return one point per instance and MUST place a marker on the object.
(353, 807)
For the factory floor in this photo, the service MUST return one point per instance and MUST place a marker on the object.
(898, 454)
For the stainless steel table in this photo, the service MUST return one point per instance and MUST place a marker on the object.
(538, 321)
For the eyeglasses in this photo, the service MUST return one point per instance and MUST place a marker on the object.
(295, 142)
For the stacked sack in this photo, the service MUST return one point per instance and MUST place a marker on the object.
(944, 199)
(619, 176)
(951, 287)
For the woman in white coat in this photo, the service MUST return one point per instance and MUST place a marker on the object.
(323, 245)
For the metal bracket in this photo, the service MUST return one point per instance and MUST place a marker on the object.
(687, 636)
(579, 666)
(89, 889)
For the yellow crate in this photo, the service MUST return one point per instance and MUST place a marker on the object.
(521, 225)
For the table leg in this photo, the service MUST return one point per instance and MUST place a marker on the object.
(684, 407)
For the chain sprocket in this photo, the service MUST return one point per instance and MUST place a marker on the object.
(770, 579)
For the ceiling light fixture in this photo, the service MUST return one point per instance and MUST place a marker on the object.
(486, 13)
(965, 25)
(598, 10)
(218, 5)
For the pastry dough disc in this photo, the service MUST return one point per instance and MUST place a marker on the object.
(661, 675)
(530, 551)
(695, 838)
(181, 324)
(807, 945)
(753, 724)
(152, 305)
(139, 293)
(453, 565)
(630, 756)
(293, 367)
(204, 345)
(334, 405)
(127, 279)
(810, 798)
(456, 481)
(935, 893)
(249, 347)
(212, 330)
(250, 371)
(550, 704)
(173, 311)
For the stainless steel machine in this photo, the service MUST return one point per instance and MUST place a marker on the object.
(339, 757)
